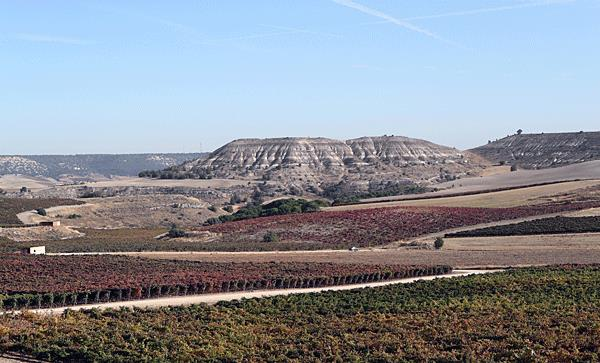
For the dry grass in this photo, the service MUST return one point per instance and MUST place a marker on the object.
(136, 212)
(503, 199)
(190, 183)
(585, 241)
(14, 183)
(460, 253)
(30, 234)
(495, 170)
(10, 207)
(593, 212)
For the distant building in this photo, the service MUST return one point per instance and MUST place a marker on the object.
(50, 223)
(39, 250)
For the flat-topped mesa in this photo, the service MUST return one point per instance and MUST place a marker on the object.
(318, 159)
(536, 151)
(400, 148)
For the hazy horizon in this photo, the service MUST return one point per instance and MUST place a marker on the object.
(286, 136)
(110, 77)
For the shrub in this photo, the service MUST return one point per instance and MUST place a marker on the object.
(278, 207)
(212, 208)
(73, 216)
(438, 243)
(271, 237)
(41, 211)
(228, 209)
(235, 199)
(176, 232)
(211, 221)
(514, 167)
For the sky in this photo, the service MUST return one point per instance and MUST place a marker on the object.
(188, 76)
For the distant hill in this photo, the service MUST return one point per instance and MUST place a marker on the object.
(538, 151)
(310, 162)
(55, 166)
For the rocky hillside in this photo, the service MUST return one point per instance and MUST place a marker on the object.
(82, 165)
(401, 151)
(310, 162)
(537, 151)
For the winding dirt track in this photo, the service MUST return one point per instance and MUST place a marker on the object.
(212, 299)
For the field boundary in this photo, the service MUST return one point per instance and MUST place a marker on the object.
(212, 299)
(88, 294)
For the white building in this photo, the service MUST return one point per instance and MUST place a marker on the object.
(39, 250)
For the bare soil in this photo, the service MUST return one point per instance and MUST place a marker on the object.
(130, 212)
(30, 234)
(14, 183)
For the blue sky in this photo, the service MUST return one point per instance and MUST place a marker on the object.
(175, 76)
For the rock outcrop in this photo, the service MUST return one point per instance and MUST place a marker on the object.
(310, 162)
(538, 151)
(401, 149)
(258, 155)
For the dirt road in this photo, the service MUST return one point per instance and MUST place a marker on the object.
(212, 299)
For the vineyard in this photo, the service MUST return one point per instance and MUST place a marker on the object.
(367, 227)
(556, 225)
(535, 314)
(46, 281)
(10, 207)
(309, 231)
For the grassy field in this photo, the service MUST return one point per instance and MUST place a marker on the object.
(535, 314)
